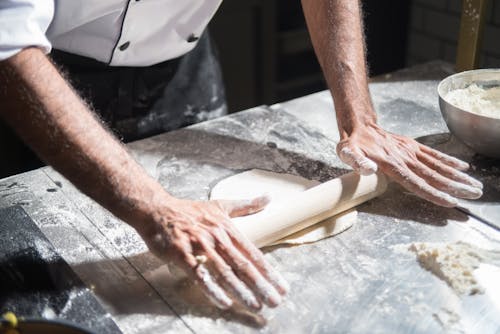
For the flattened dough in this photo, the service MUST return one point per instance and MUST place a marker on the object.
(279, 187)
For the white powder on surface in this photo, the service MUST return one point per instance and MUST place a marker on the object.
(454, 263)
(449, 320)
(476, 99)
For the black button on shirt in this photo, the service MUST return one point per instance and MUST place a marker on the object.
(124, 46)
(192, 38)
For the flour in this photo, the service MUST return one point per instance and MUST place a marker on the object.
(454, 263)
(449, 320)
(476, 99)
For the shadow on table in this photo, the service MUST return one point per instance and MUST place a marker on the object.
(29, 283)
(192, 160)
(485, 169)
(159, 290)
(195, 156)
(397, 203)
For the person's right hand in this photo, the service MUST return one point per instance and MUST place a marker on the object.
(201, 239)
(198, 236)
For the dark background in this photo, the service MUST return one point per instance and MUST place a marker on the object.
(267, 56)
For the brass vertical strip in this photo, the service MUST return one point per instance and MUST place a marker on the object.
(471, 31)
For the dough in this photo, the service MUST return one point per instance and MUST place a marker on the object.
(455, 263)
(279, 187)
(256, 182)
(297, 204)
(324, 229)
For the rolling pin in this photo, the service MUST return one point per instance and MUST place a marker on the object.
(309, 207)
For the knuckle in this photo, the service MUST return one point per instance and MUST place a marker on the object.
(242, 265)
(341, 146)
(412, 163)
(221, 237)
(226, 272)
(399, 171)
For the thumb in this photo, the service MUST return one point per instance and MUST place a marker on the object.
(355, 158)
(243, 207)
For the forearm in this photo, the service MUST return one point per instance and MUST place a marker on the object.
(51, 118)
(336, 31)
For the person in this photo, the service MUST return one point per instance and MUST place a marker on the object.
(120, 40)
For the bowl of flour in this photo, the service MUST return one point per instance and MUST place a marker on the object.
(470, 105)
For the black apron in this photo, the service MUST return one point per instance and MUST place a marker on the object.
(138, 102)
(135, 102)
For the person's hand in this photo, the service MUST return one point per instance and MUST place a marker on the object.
(200, 238)
(428, 173)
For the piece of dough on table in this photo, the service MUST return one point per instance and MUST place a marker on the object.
(301, 210)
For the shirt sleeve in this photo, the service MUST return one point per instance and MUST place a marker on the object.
(23, 23)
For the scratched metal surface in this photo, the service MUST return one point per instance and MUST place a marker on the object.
(355, 282)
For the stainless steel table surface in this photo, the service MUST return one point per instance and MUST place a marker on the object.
(357, 282)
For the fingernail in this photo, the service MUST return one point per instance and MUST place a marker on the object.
(465, 191)
(367, 167)
(270, 296)
(452, 201)
(470, 180)
(477, 193)
(250, 300)
(464, 164)
(247, 296)
(280, 283)
(460, 163)
(476, 183)
(220, 299)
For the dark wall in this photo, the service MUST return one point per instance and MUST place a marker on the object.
(386, 31)
(267, 56)
(15, 156)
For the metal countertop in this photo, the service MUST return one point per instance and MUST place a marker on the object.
(359, 281)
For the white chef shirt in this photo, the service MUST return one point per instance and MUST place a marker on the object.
(116, 32)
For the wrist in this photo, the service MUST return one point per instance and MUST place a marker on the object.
(353, 106)
(351, 119)
(150, 207)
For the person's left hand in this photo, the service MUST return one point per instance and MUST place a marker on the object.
(428, 173)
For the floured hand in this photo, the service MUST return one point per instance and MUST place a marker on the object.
(428, 173)
(200, 238)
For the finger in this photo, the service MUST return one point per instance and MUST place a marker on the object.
(201, 275)
(237, 208)
(249, 274)
(251, 252)
(357, 160)
(456, 189)
(414, 183)
(445, 158)
(226, 277)
(448, 171)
